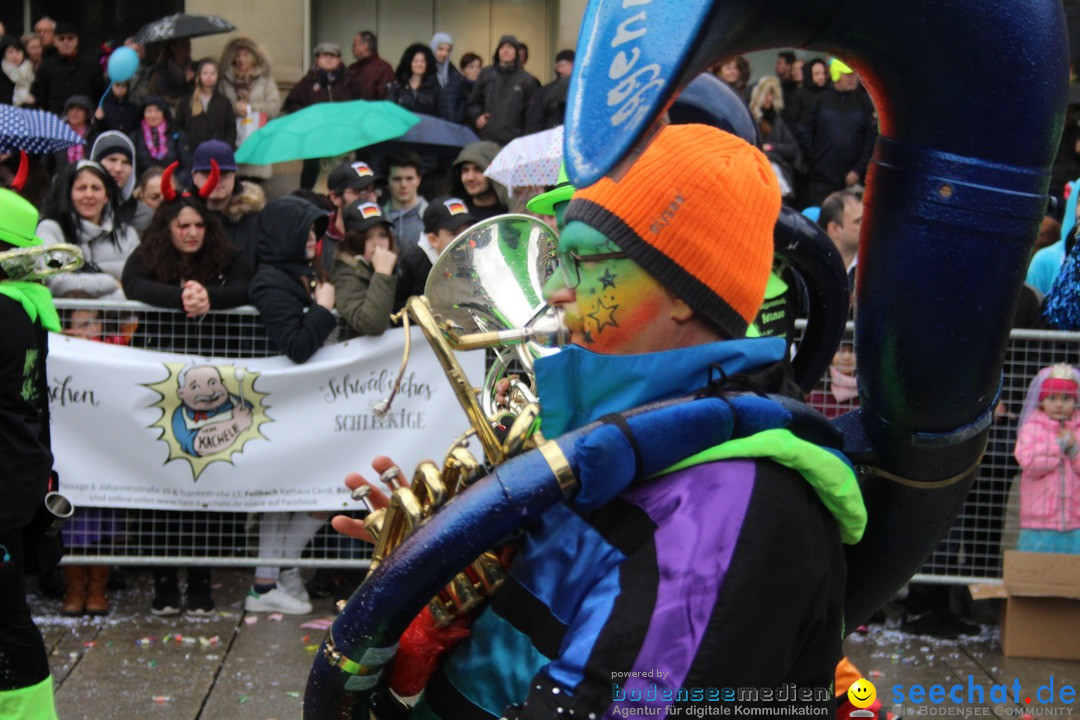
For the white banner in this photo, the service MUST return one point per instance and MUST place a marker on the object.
(142, 429)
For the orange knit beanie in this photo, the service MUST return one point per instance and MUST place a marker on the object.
(696, 210)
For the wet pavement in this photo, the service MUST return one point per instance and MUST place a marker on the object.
(131, 664)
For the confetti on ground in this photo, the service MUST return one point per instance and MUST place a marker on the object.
(161, 699)
(876, 674)
(152, 663)
(312, 648)
(251, 619)
(88, 644)
(243, 699)
(306, 640)
(318, 623)
(293, 694)
(276, 617)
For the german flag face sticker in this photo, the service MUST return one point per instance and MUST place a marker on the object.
(369, 210)
(455, 206)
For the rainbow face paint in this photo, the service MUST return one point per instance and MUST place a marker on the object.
(615, 302)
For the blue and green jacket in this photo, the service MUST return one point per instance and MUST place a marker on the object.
(726, 571)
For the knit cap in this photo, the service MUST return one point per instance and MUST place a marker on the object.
(113, 142)
(696, 210)
(440, 38)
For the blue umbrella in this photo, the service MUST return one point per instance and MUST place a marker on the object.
(436, 131)
(35, 131)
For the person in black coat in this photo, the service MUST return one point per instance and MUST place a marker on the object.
(548, 106)
(206, 114)
(838, 139)
(500, 100)
(186, 263)
(416, 87)
(66, 73)
(294, 303)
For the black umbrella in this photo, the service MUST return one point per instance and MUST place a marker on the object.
(182, 25)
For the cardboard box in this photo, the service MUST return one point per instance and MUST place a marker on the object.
(1042, 609)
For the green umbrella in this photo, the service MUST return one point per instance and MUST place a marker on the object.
(325, 130)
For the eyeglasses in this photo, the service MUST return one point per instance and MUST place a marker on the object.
(569, 264)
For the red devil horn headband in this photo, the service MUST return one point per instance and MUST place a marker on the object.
(167, 190)
(212, 181)
(24, 170)
(170, 194)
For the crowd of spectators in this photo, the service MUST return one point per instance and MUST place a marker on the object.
(202, 235)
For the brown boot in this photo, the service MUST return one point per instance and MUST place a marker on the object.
(96, 602)
(75, 577)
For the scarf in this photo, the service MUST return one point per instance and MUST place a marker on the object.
(75, 153)
(159, 151)
(843, 387)
(36, 300)
(442, 70)
(242, 83)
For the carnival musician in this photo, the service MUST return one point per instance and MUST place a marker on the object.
(656, 594)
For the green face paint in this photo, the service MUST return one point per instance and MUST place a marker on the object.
(615, 300)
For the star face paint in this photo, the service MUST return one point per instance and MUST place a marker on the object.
(617, 307)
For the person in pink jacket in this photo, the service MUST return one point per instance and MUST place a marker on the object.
(1048, 452)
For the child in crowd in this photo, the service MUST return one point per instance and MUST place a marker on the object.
(1049, 456)
(117, 111)
(85, 585)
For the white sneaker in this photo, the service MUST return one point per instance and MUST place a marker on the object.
(276, 600)
(291, 582)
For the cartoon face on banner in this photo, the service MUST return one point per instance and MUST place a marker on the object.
(208, 413)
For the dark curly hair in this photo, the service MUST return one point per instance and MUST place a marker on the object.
(58, 205)
(167, 264)
(404, 68)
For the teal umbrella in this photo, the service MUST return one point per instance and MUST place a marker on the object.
(324, 130)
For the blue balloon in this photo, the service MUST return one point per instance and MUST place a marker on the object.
(122, 64)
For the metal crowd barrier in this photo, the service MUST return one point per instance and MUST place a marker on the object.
(971, 551)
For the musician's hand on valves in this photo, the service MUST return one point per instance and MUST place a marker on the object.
(502, 390)
(391, 475)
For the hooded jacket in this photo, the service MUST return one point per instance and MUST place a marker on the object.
(480, 154)
(258, 90)
(111, 139)
(1050, 476)
(505, 93)
(296, 324)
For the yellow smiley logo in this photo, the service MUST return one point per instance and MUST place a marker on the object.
(862, 692)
